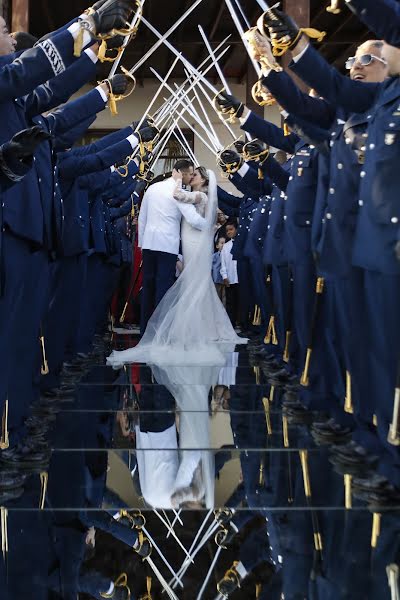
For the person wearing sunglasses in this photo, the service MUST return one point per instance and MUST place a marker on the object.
(376, 223)
(365, 60)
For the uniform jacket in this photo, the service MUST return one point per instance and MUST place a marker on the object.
(379, 208)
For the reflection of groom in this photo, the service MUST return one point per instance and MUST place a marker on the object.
(159, 236)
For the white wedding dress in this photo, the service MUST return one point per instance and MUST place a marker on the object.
(186, 342)
(190, 326)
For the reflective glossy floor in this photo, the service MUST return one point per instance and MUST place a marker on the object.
(234, 493)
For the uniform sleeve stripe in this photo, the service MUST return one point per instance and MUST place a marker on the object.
(53, 56)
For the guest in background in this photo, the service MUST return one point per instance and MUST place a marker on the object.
(229, 274)
(216, 270)
(220, 226)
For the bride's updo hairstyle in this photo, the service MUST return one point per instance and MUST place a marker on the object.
(204, 175)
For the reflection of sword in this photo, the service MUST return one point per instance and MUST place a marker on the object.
(193, 553)
(177, 518)
(286, 443)
(314, 518)
(392, 572)
(161, 579)
(210, 570)
(44, 370)
(394, 430)
(178, 541)
(162, 557)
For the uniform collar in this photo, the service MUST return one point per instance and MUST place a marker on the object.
(354, 120)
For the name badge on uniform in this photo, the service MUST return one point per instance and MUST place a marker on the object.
(390, 138)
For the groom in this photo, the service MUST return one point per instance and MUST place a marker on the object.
(159, 228)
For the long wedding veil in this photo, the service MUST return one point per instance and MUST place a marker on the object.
(190, 326)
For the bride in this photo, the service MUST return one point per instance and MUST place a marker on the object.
(190, 325)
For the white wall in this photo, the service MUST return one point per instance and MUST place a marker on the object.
(133, 107)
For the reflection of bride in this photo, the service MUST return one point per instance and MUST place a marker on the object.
(190, 325)
(180, 474)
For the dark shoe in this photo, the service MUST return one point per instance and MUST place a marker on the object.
(299, 415)
(73, 368)
(356, 469)
(272, 366)
(230, 582)
(25, 457)
(353, 459)
(10, 495)
(280, 379)
(36, 424)
(64, 391)
(330, 432)
(10, 480)
(389, 499)
(48, 409)
(376, 483)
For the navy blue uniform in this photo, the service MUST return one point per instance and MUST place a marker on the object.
(377, 230)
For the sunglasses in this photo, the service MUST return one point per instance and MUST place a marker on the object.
(364, 60)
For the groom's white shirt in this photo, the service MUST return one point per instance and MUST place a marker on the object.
(160, 216)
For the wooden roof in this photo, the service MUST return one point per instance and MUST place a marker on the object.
(344, 31)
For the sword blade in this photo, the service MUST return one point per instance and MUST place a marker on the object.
(210, 570)
(197, 78)
(153, 101)
(175, 51)
(240, 29)
(205, 61)
(207, 118)
(161, 555)
(263, 5)
(245, 19)
(183, 142)
(165, 36)
(214, 60)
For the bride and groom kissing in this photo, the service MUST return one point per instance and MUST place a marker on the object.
(160, 231)
(189, 318)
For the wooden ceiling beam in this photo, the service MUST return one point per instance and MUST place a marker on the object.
(20, 15)
(350, 50)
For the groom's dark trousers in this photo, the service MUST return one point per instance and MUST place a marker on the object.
(158, 276)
